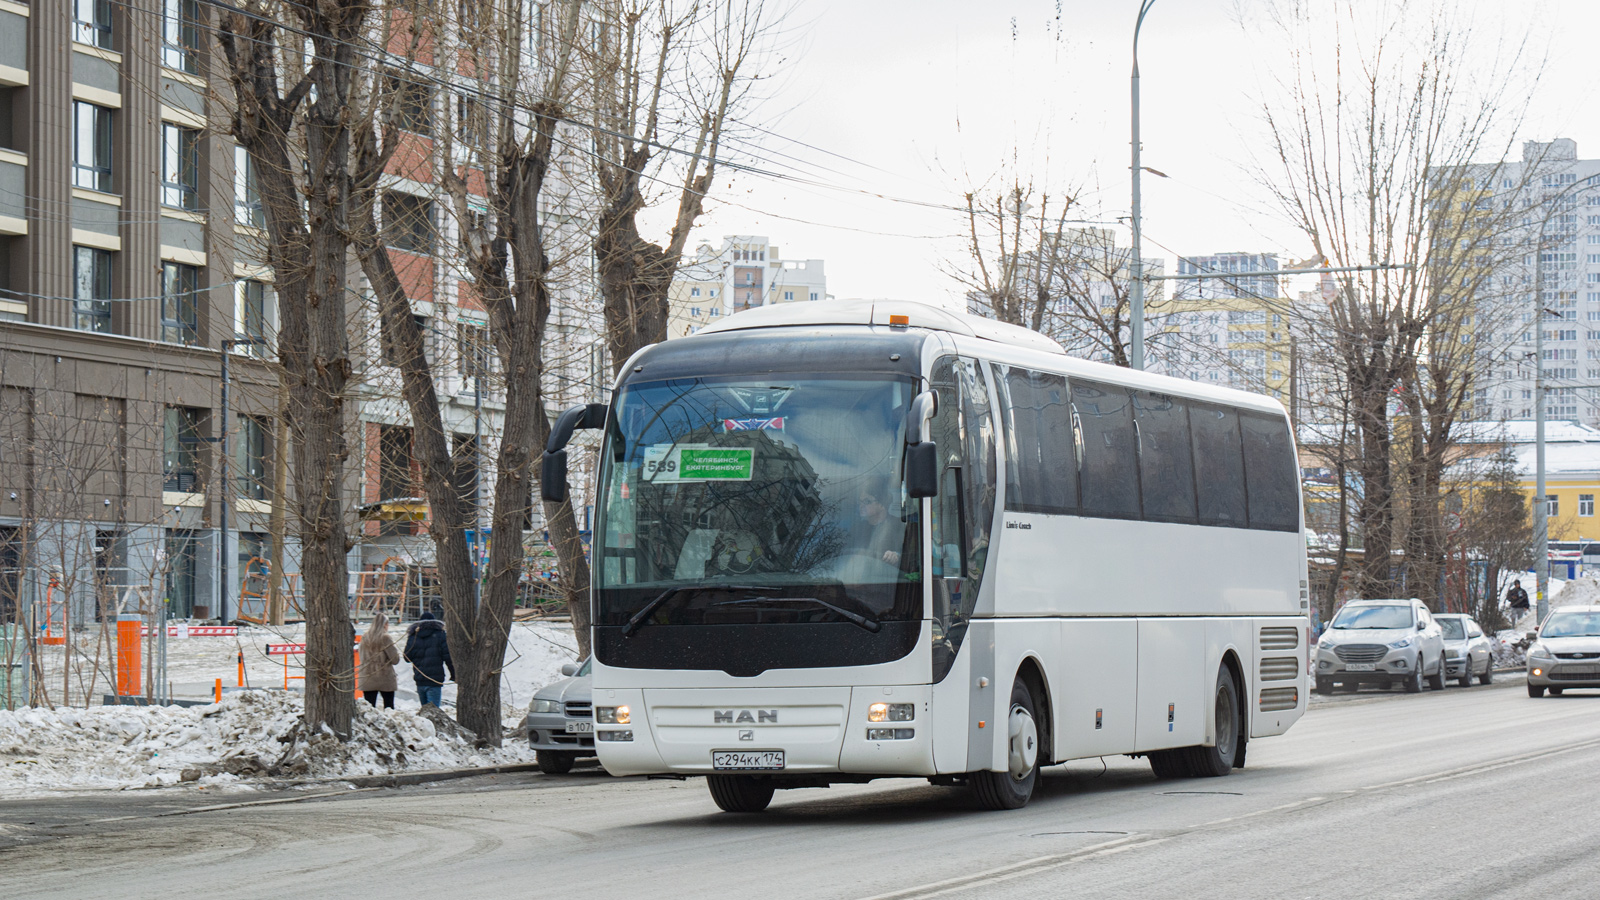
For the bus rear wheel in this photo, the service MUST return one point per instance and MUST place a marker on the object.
(740, 793)
(1013, 788)
(1218, 759)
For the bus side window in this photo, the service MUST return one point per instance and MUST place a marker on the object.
(1110, 467)
(1219, 465)
(1271, 473)
(1041, 463)
(1166, 468)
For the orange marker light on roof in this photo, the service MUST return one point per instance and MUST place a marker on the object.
(899, 320)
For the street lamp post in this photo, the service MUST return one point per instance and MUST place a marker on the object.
(1136, 265)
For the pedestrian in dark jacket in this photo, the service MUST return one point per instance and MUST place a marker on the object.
(1516, 598)
(428, 651)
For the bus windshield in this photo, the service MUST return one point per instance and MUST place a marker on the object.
(764, 500)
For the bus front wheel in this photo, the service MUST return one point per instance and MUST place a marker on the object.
(740, 793)
(1013, 788)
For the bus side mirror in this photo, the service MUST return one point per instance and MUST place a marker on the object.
(553, 465)
(922, 470)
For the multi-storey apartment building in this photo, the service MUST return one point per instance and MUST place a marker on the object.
(126, 263)
(1551, 246)
(1231, 330)
(132, 249)
(745, 272)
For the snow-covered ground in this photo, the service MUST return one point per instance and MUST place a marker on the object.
(248, 736)
(254, 734)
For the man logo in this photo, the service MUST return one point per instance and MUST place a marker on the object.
(744, 716)
(746, 734)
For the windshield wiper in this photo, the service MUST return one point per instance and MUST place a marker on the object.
(638, 620)
(866, 622)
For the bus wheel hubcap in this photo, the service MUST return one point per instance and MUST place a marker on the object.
(1024, 743)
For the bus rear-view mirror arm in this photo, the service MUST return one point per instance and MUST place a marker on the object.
(553, 465)
(922, 457)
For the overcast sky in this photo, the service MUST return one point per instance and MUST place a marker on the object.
(917, 101)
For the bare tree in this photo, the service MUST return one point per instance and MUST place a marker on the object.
(292, 71)
(1375, 103)
(668, 79)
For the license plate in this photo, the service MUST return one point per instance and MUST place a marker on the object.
(1578, 670)
(580, 728)
(747, 759)
(1361, 667)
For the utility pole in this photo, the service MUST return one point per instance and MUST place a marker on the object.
(1541, 506)
(1136, 264)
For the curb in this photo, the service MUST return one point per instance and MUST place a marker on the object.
(401, 779)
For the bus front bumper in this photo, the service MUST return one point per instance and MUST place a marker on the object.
(769, 731)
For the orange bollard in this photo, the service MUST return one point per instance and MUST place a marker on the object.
(357, 677)
(129, 662)
(241, 668)
(286, 671)
(217, 694)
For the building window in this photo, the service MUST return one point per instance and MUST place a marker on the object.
(1585, 504)
(408, 222)
(246, 191)
(180, 450)
(91, 22)
(180, 167)
(1553, 504)
(180, 306)
(813, 295)
(788, 295)
(716, 311)
(694, 311)
(91, 289)
(182, 551)
(694, 292)
(180, 35)
(91, 146)
(250, 458)
(413, 103)
(250, 316)
(472, 350)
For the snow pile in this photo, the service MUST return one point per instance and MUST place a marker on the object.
(249, 735)
(1578, 592)
(1510, 648)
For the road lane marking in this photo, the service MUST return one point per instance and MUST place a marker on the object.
(1260, 812)
(1025, 867)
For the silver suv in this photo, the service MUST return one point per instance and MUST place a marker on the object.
(560, 721)
(1385, 642)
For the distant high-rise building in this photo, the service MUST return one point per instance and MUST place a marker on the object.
(745, 272)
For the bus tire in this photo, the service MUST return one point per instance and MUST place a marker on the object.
(1013, 788)
(1218, 759)
(1169, 763)
(740, 793)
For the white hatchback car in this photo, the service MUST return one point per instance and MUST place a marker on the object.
(1385, 642)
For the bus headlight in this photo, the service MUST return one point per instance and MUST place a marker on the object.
(612, 715)
(891, 734)
(891, 712)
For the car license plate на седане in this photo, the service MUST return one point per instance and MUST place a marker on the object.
(746, 759)
(1361, 667)
(580, 728)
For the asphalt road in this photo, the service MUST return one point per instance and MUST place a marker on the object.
(1468, 793)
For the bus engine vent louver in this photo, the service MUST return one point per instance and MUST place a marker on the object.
(1280, 668)
(1280, 637)
(1274, 699)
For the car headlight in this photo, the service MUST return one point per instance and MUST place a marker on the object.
(546, 706)
(1540, 651)
(1452, 654)
(612, 715)
(1403, 643)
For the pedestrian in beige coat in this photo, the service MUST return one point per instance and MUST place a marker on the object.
(378, 658)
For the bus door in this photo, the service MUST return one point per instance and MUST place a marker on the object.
(961, 516)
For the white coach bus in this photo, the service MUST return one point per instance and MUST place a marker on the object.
(844, 541)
